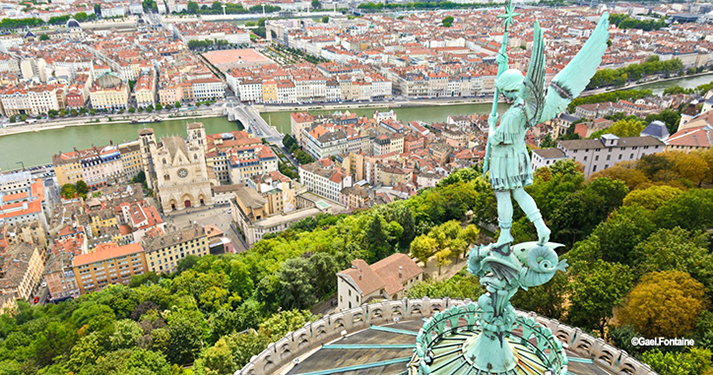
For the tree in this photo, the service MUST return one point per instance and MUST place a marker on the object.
(461, 285)
(192, 7)
(316, 4)
(185, 330)
(580, 212)
(82, 188)
(295, 287)
(595, 293)
(652, 197)
(149, 362)
(668, 116)
(126, 334)
(177, 105)
(277, 326)
(627, 128)
(677, 363)
(218, 359)
(159, 106)
(68, 191)
(55, 341)
(97, 8)
(689, 210)
(44, 37)
(664, 304)
(652, 164)
(422, 247)
(547, 299)
(691, 166)
(448, 21)
(676, 249)
(622, 231)
(632, 177)
(245, 345)
(325, 19)
(324, 267)
(85, 352)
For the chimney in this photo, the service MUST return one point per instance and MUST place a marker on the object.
(401, 271)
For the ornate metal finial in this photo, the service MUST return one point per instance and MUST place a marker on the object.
(509, 15)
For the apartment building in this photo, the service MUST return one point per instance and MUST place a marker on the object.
(22, 267)
(145, 90)
(325, 179)
(299, 121)
(34, 99)
(109, 92)
(108, 264)
(599, 154)
(164, 251)
(208, 88)
(59, 276)
(97, 166)
(130, 154)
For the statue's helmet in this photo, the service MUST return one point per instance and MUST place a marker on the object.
(509, 80)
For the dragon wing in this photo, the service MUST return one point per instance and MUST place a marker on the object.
(575, 77)
(533, 88)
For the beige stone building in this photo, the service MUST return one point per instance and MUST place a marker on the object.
(109, 92)
(145, 90)
(22, 267)
(299, 121)
(163, 252)
(178, 169)
(130, 159)
(387, 279)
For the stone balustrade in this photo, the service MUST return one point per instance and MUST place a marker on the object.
(330, 327)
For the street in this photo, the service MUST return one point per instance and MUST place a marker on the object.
(218, 216)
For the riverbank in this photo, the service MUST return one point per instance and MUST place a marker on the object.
(37, 148)
(451, 101)
(115, 119)
(375, 104)
(455, 103)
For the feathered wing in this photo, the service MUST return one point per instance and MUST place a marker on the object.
(533, 89)
(575, 77)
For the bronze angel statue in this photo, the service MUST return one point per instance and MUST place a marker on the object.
(533, 102)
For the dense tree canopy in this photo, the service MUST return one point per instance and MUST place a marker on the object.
(664, 304)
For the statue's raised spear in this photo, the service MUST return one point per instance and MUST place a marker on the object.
(508, 19)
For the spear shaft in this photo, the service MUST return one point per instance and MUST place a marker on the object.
(508, 16)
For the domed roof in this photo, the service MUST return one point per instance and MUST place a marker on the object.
(72, 23)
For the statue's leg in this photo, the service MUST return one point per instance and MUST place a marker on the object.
(504, 216)
(529, 206)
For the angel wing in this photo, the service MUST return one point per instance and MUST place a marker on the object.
(533, 88)
(573, 79)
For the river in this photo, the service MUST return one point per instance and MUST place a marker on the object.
(686, 83)
(433, 113)
(38, 147)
